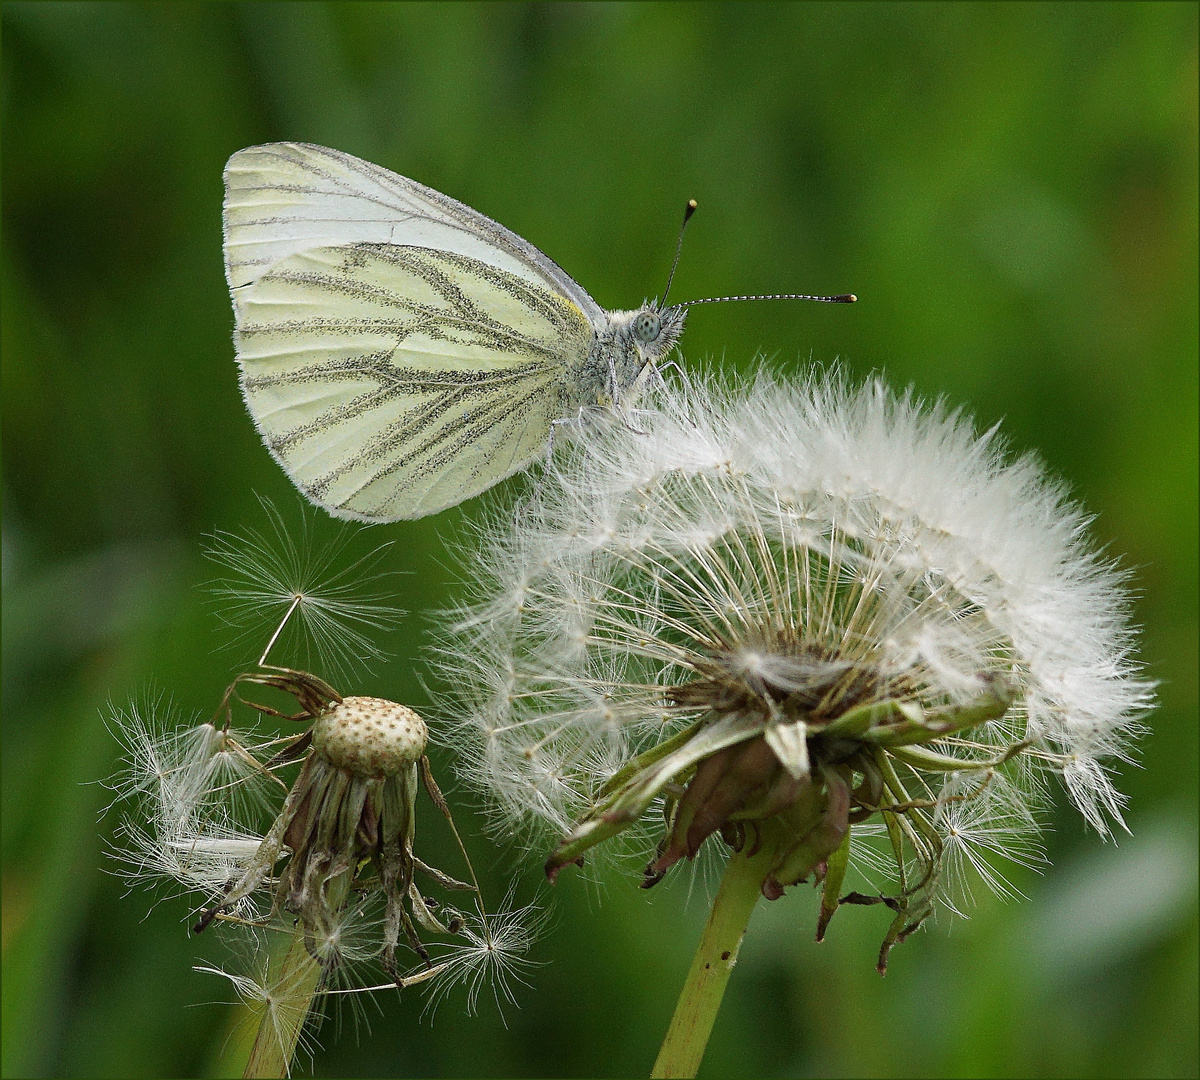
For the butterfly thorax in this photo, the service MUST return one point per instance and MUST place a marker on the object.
(622, 349)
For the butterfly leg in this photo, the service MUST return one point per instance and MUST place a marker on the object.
(554, 426)
(567, 424)
(614, 389)
(624, 416)
(665, 366)
(654, 373)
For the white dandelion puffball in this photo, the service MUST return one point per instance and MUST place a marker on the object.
(738, 551)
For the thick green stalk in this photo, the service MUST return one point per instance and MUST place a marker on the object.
(696, 1010)
(292, 980)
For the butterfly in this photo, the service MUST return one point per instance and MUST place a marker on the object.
(400, 352)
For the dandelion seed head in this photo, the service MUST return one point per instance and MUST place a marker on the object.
(300, 850)
(816, 547)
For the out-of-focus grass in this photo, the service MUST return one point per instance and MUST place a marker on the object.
(1010, 189)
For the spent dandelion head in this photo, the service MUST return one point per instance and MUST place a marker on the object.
(303, 846)
(786, 616)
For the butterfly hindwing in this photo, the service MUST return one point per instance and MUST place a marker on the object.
(391, 381)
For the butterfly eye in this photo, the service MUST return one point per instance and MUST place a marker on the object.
(646, 326)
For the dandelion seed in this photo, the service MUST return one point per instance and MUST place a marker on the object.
(183, 768)
(280, 1001)
(329, 608)
(491, 954)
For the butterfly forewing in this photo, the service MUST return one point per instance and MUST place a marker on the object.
(391, 381)
(284, 198)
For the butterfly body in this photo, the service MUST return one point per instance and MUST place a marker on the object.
(400, 352)
(619, 358)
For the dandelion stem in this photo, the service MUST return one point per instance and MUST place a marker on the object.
(687, 1037)
(292, 980)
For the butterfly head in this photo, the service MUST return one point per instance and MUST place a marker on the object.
(656, 329)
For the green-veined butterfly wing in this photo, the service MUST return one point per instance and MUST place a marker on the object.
(391, 382)
(282, 198)
(399, 351)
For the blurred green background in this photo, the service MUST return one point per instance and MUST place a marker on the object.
(1011, 189)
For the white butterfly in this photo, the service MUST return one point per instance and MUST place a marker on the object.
(399, 351)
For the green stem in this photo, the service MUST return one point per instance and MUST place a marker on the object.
(696, 1010)
(292, 980)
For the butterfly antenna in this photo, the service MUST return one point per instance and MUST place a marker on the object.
(688, 211)
(844, 298)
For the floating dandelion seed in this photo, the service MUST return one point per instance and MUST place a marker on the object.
(794, 617)
(329, 608)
